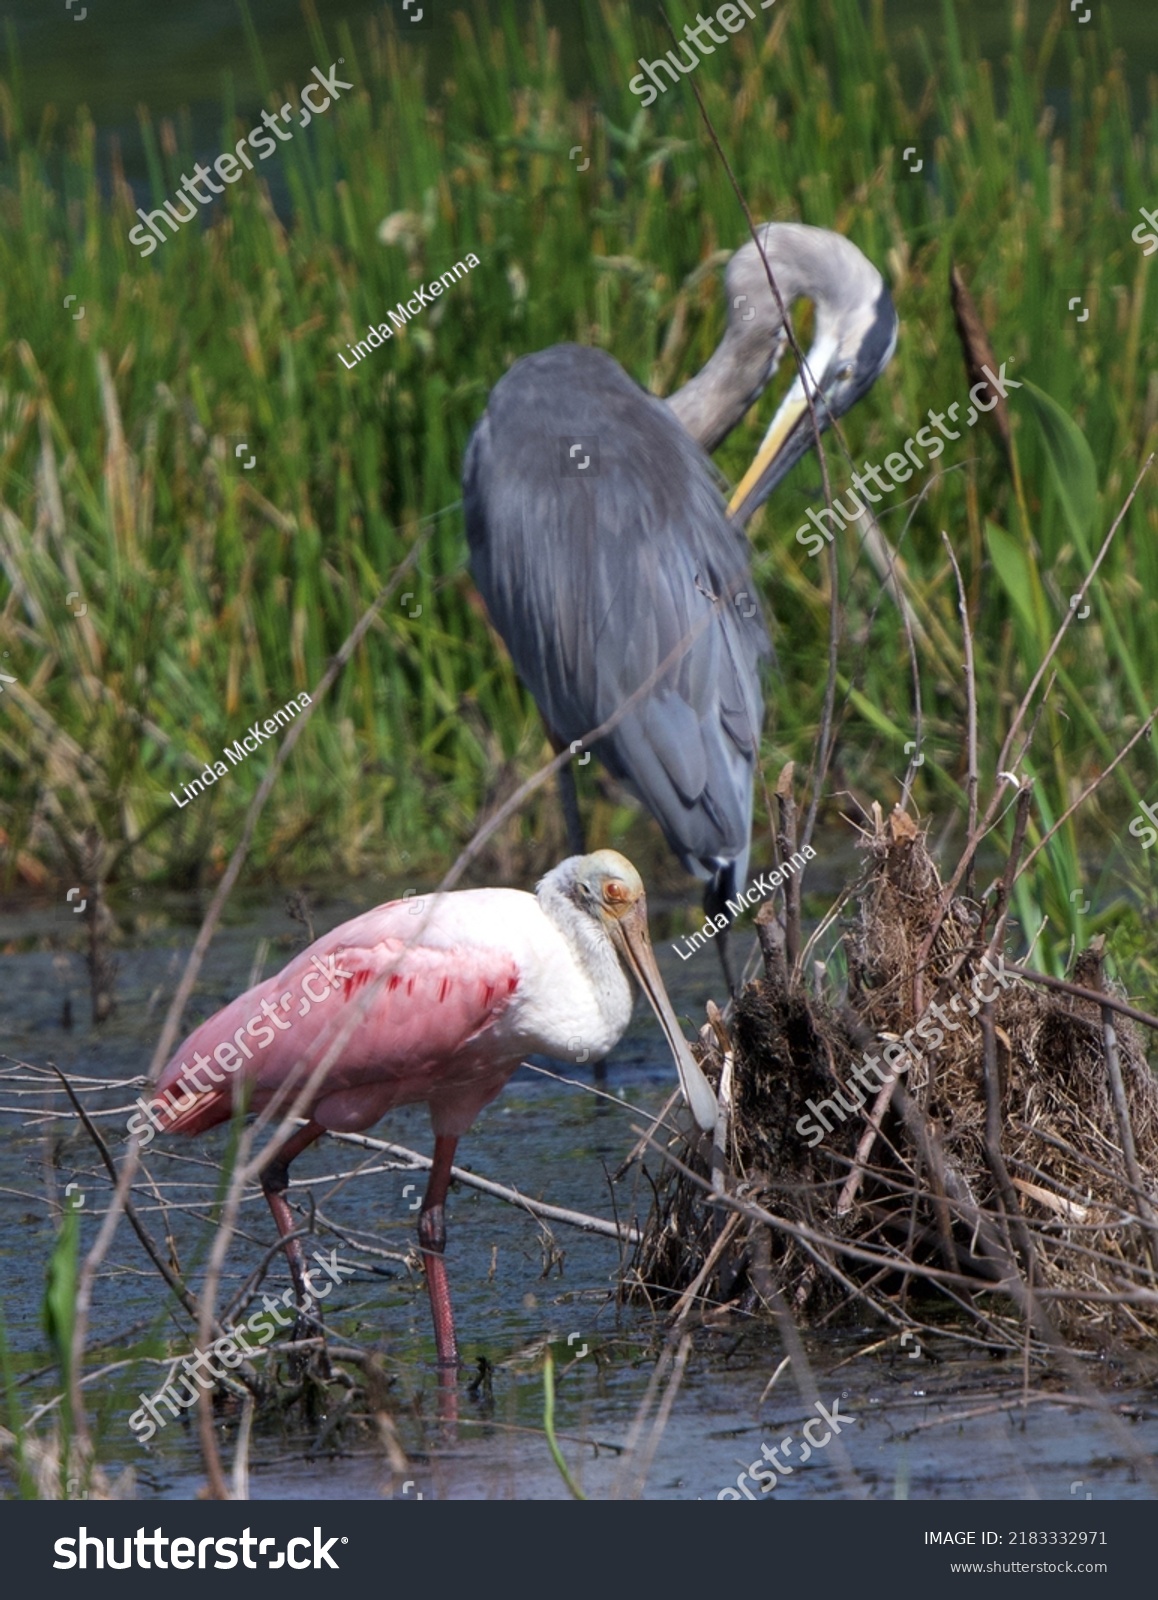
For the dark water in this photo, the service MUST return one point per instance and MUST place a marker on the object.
(514, 1286)
(186, 61)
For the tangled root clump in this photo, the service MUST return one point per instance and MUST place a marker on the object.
(1049, 1208)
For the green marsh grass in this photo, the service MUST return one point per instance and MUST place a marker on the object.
(215, 594)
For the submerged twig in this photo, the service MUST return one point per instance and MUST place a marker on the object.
(537, 1208)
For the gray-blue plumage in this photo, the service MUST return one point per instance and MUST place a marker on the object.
(594, 576)
(594, 573)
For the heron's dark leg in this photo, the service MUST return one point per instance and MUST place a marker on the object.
(569, 800)
(723, 944)
(715, 903)
(432, 1242)
(274, 1183)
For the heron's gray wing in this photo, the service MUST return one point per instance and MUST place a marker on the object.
(597, 575)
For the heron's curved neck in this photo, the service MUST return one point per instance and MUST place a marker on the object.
(711, 404)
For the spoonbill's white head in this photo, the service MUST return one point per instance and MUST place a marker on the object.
(605, 887)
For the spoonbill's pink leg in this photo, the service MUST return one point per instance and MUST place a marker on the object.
(432, 1242)
(274, 1183)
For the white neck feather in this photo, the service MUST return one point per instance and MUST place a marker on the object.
(595, 955)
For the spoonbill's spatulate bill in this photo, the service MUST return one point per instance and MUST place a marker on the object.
(436, 1001)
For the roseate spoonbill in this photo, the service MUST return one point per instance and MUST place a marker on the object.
(599, 541)
(436, 1001)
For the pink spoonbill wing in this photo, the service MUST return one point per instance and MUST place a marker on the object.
(415, 1000)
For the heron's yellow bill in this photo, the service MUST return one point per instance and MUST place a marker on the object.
(779, 431)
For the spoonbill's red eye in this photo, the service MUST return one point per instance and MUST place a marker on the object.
(615, 892)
